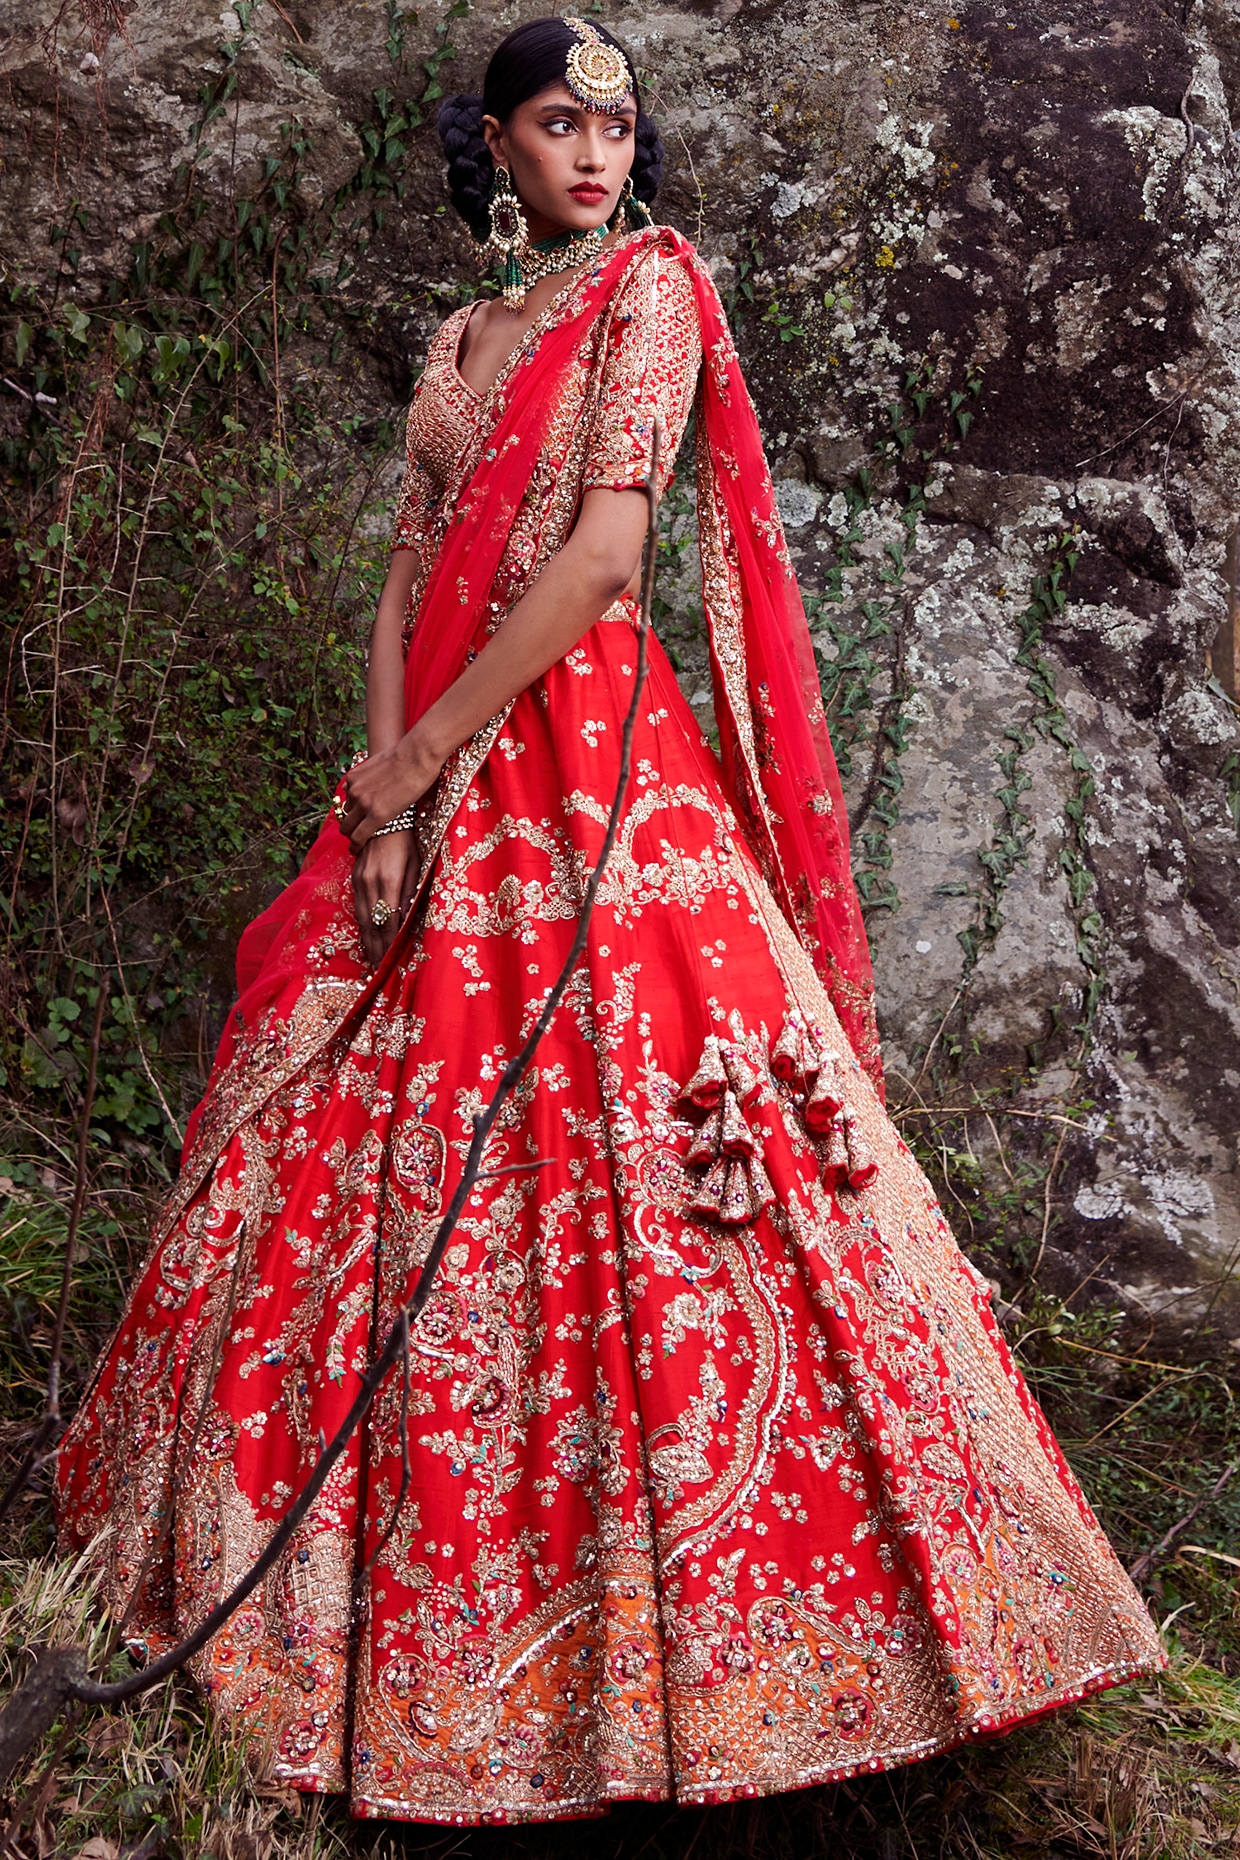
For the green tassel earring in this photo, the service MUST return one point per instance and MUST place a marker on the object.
(509, 238)
(637, 214)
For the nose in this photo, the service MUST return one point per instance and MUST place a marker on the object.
(592, 153)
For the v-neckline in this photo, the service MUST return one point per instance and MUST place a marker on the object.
(545, 316)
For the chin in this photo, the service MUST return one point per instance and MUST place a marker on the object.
(584, 219)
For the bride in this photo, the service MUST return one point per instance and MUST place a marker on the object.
(723, 1480)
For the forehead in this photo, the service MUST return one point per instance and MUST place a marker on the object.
(559, 96)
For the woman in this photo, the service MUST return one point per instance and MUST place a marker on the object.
(723, 1481)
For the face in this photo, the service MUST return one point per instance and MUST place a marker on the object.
(568, 164)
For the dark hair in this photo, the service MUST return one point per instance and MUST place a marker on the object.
(529, 60)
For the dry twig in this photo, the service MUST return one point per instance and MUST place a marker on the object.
(1143, 1565)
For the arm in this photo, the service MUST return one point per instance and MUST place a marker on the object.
(385, 671)
(595, 566)
(387, 867)
(649, 375)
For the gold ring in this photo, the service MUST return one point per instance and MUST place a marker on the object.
(381, 913)
(340, 807)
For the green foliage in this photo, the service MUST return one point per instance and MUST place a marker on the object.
(184, 679)
(741, 291)
(1013, 834)
(782, 320)
(191, 557)
(1229, 775)
(191, 567)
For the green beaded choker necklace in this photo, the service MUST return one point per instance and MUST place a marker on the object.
(562, 252)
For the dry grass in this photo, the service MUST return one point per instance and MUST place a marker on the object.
(1148, 1772)
(165, 1779)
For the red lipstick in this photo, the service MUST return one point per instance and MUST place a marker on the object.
(588, 193)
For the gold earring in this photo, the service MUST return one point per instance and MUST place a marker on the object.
(637, 215)
(509, 238)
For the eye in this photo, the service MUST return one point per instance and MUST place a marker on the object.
(560, 125)
(619, 132)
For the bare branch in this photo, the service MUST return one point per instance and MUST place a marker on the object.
(1143, 1565)
(525, 1168)
(406, 1464)
(35, 1705)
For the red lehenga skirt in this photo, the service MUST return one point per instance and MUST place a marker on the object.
(723, 1479)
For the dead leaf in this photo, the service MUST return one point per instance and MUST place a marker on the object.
(108, 1734)
(73, 815)
(279, 1795)
(239, 1844)
(98, 1847)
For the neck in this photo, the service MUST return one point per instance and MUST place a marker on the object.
(542, 229)
(540, 226)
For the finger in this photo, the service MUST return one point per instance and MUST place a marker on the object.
(363, 902)
(372, 936)
(409, 884)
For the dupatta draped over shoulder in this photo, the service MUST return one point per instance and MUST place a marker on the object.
(575, 407)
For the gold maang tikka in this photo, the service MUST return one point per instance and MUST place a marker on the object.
(597, 72)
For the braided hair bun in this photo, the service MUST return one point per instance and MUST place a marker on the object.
(470, 168)
(528, 61)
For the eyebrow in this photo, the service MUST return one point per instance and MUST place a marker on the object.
(573, 109)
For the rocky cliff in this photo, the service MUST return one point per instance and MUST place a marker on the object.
(984, 269)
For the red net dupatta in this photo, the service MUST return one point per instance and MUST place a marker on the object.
(775, 746)
(774, 742)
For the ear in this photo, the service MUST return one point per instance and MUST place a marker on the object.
(493, 135)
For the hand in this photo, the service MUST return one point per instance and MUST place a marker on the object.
(384, 786)
(385, 868)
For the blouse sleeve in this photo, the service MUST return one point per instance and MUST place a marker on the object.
(650, 370)
(416, 495)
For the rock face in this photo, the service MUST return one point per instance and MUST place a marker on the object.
(984, 271)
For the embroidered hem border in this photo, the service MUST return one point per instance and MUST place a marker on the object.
(715, 1794)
